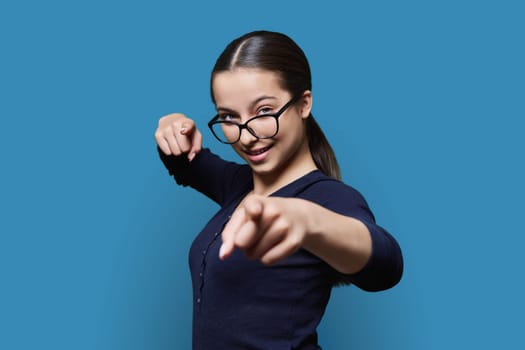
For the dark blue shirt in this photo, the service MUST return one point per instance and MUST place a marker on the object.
(242, 304)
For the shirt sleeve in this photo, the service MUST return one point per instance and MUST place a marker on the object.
(385, 266)
(209, 174)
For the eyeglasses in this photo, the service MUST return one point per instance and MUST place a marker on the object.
(263, 126)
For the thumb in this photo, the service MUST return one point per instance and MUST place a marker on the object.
(196, 145)
(226, 250)
(230, 231)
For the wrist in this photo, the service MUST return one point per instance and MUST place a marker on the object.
(313, 226)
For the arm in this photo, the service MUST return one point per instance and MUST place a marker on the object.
(270, 229)
(362, 251)
(343, 242)
(179, 144)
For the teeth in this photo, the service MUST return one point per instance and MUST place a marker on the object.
(259, 151)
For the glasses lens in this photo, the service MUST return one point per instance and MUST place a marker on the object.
(263, 127)
(226, 132)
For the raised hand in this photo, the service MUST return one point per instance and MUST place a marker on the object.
(176, 134)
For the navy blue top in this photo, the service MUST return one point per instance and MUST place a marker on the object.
(242, 304)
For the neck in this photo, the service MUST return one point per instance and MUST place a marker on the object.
(300, 165)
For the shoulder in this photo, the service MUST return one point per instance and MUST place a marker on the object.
(335, 195)
(324, 188)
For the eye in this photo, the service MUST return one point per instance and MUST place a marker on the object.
(265, 110)
(227, 117)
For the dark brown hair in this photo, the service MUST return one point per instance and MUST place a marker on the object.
(278, 53)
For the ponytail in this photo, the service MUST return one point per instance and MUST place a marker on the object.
(322, 152)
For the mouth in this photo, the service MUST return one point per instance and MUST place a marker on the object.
(257, 155)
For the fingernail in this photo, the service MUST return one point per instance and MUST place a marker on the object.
(222, 252)
(183, 130)
(191, 156)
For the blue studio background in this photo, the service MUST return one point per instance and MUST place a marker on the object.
(423, 102)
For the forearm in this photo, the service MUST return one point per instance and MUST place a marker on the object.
(207, 173)
(341, 241)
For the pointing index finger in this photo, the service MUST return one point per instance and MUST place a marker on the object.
(187, 127)
(253, 207)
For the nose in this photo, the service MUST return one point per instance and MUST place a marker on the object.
(246, 137)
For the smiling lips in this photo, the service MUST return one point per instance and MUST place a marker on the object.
(257, 155)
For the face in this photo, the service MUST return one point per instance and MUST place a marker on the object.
(245, 93)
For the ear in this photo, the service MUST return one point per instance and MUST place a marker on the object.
(305, 104)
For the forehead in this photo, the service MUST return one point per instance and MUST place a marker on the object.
(241, 86)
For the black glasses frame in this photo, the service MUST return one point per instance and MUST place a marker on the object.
(215, 120)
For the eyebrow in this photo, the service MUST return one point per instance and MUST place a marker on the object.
(255, 102)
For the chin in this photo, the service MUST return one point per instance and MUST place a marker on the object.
(265, 168)
(262, 169)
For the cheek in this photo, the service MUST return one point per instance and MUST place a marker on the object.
(293, 127)
(237, 150)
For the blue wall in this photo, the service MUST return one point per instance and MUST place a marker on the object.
(424, 105)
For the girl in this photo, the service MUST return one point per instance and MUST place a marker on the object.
(288, 229)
